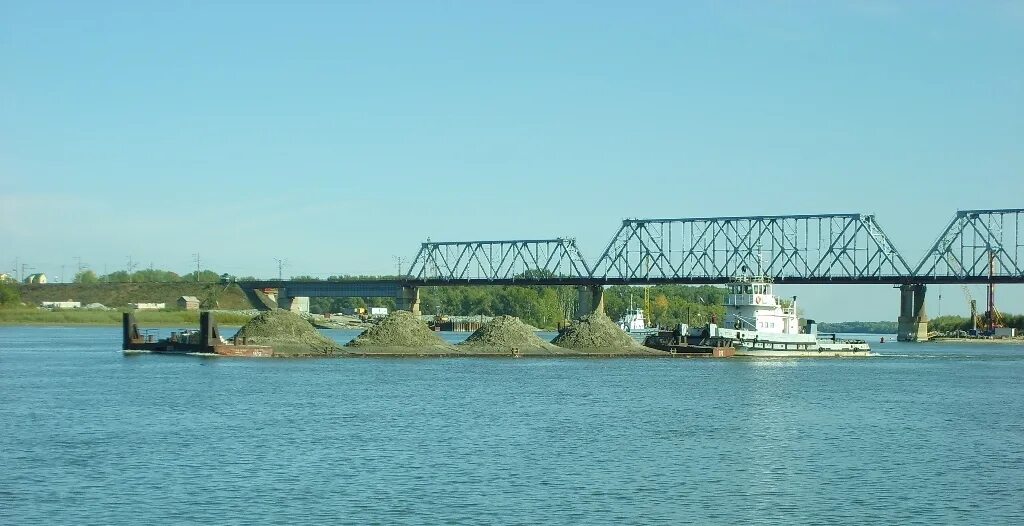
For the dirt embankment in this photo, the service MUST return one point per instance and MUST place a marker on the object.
(400, 333)
(288, 333)
(598, 334)
(119, 295)
(508, 335)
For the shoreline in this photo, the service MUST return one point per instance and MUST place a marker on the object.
(998, 341)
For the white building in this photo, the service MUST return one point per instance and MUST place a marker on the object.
(39, 278)
(61, 304)
(148, 306)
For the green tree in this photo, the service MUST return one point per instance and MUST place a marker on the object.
(9, 295)
(86, 276)
(206, 276)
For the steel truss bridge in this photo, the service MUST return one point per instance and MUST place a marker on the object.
(977, 246)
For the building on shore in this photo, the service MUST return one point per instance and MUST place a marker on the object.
(147, 306)
(188, 303)
(39, 278)
(56, 305)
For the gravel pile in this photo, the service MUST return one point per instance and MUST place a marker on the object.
(288, 333)
(595, 331)
(400, 329)
(507, 333)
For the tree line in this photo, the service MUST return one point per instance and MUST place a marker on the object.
(88, 276)
(547, 306)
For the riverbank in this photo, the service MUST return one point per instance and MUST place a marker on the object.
(1003, 341)
(79, 317)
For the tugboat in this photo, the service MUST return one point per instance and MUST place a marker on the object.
(634, 322)
(757, 323)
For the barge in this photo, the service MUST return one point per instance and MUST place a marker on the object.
(206, 341)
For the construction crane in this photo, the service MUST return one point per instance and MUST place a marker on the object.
(992, 315)
(975, 320)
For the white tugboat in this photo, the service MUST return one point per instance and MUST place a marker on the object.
(634, 323)
(758, 324)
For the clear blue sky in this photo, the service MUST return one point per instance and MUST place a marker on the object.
(340, 135)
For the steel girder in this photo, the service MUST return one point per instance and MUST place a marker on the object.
(974, 240)
(830, 247)
(476, 261)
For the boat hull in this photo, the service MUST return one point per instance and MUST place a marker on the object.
(823, 351)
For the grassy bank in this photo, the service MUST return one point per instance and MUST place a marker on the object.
(119, 295)
(28, 316)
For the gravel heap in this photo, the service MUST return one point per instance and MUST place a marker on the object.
(399, 329)
(506, 333)
(288, 333)
(594, 331)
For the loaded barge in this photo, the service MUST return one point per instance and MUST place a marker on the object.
(207, 341)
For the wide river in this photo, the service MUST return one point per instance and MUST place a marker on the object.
(922, 434)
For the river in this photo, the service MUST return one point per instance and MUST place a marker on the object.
(922, 434)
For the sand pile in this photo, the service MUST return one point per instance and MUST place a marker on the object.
(595, 331)
(505, 334)
(401, 330)
(288, 333)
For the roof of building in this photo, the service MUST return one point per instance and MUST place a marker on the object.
(189, 298)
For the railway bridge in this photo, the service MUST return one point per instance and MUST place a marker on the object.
(975, 247)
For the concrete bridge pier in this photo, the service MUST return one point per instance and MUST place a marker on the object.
(408, 298)
(296, 304)
(913, 321)
(591, 300)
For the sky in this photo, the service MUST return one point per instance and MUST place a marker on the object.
(338, 136)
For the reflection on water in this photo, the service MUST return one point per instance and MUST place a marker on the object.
(922, 434)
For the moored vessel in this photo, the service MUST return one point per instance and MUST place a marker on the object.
(758, 323)
(204, 341)
(634, 323)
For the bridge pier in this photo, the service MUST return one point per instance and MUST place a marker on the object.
(913, 321)
(296, 304)
(591, 300)
(408, 298)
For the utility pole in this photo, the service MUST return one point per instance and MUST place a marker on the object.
(78, 259)
(280, 266)
(24, 267)
(196, 256)
(62, 273)
(398, 259)
(131, 267)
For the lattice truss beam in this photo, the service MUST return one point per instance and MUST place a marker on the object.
(806, 246)
(499, 260)
(977, 242)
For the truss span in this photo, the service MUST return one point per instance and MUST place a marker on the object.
(795, 248)
(537, 260)
(976, 246)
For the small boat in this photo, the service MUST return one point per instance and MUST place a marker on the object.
(634, 323)
(758, 323)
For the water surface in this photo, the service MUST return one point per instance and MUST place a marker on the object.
(923, 434)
